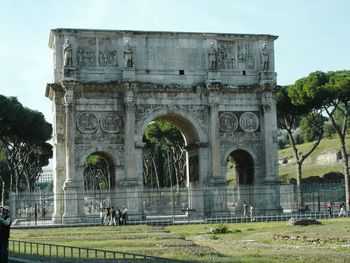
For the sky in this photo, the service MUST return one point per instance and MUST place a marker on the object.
(312, 34)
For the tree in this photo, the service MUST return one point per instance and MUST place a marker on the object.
(23, 136)
(163, 156)
(332, 92)
(289, 116)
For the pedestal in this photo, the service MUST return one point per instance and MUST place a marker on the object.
(213, 75)
(129, 74)
(71, 204)
(69, 73)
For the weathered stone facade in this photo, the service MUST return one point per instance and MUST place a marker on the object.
(217, 89)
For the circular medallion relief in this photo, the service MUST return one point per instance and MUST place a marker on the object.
(228, 122)
(249, 122)
(111, 123)
(87, 122)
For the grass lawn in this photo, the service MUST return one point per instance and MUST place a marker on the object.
(310, 166)
(244, 242)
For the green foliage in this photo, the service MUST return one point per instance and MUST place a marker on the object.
(329, 130)
(96, 173)
(308, 91)
(163, 155)
(23, 136)
(312, 127)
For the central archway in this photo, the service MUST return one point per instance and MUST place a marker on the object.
(175, 199)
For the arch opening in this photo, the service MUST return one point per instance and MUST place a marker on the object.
(170, 163)
(240, 169)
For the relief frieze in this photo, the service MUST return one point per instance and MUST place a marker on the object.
(86, 56)
(95, 122)
(238, 121)
(87, 122)
(227, 55)
(107, 55)
(249, 122)
(111, 122)
(228, 122)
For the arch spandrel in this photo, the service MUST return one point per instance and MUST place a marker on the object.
(189, 126)
(104, 151)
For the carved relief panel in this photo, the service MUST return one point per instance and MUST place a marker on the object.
(238, 121)
(245, 56)
(236, 55)
(86, 52)
(106, 127)
(227, 55)
(107, 54)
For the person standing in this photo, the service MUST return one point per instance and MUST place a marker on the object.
(113, 215)
(5, 224)
(245, 210)
(330, 208)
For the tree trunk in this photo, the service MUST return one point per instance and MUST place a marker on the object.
(299, 190)
(345, 159)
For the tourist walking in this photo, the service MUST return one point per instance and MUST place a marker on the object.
(251, 213)
(5, 224)
(342, 210)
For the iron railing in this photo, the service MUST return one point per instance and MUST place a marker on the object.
(41, 252)
(170, 205)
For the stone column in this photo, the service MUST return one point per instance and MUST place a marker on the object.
(214, 137)
(70, 186)
(270, 195)
(270, 135)
(133, 158)
(58, 154)
(129, 134)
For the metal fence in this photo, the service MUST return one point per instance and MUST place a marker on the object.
(41, 252)
(159, 204)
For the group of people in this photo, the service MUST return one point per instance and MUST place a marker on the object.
(113, 216)
(247, 212)
(5, 223)
(342, 211)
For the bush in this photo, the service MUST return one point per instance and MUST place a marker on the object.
(220, 229)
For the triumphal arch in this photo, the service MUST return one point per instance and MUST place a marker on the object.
(217, 89)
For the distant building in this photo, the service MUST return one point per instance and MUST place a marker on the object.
(47, 174)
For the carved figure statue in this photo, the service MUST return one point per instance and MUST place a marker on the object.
(212, 59)
(67, 54)
(128, 56)
(264, 57)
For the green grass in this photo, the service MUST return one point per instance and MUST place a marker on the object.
(243, 242)
(310, 166)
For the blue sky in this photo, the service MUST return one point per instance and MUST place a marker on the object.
(313, 34)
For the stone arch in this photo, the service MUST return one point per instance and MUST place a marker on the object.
(107, 154)
(106, 151)
(193, 136)
(193, 129)
(246, 168)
